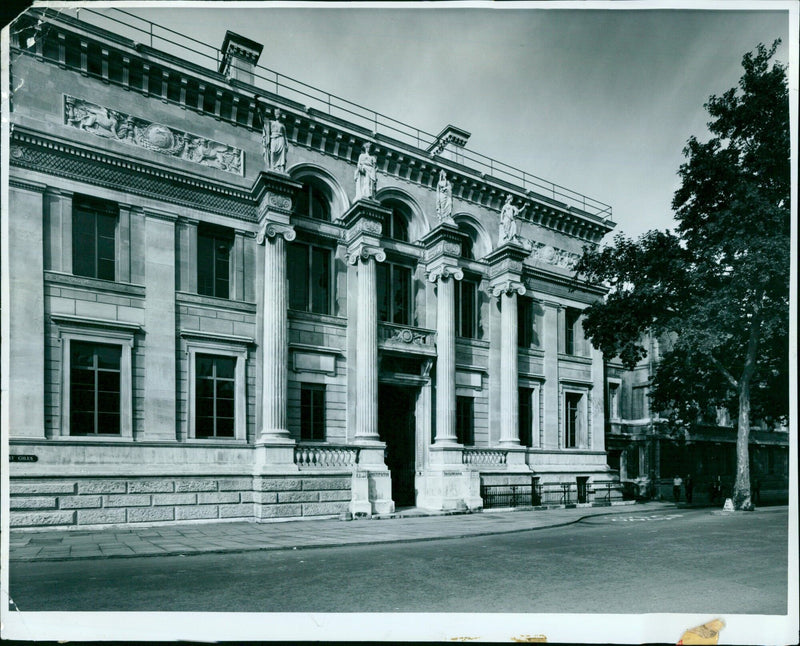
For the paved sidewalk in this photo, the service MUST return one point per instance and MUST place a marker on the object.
(249, 536)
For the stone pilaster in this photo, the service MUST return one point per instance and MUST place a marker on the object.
(25, 311)
(274, 192)
(550, 343)
(159, 321)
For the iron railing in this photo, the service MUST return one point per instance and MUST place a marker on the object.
(140, 30)
(537, 494)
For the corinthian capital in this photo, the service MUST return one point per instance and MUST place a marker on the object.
(509, 287)
(272, 229)
(365, 252)
(445, 272)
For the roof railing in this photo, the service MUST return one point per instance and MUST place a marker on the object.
(140, 30)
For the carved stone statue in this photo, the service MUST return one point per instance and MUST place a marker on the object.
(366, 175)
(444, 199)
(508, 221)
(277, 143)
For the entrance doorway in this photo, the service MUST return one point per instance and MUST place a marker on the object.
(397, 427)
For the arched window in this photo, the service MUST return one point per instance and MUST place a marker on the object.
(396, 225)
(313, 201)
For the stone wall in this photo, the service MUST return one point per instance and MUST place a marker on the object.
(72, 502)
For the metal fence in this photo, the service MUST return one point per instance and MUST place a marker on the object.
(537, 494)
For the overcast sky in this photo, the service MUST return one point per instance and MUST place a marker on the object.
(599, 101)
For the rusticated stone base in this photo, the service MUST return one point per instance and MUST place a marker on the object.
(100, 501)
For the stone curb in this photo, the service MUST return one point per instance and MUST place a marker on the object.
(355, 542)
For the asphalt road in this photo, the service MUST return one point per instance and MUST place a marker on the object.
(683, 561)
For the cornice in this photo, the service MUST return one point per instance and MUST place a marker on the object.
(34, 187)
(314, 129)
(52, 156)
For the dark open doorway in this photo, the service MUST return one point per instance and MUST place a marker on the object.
(397, 427)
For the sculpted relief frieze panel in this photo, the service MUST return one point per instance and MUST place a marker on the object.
(545, 253)
(111, 124)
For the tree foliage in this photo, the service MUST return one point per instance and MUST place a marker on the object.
(718, 286)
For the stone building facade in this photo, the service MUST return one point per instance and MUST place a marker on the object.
(648, 452)
(205, 323)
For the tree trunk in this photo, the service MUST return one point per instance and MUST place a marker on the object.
(741, 487)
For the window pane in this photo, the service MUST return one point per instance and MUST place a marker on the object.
(525, 416)
(81, 423)
(108, 356)
(108, 423)
(204, 365)
(205, 388)
(81, 398)
(83, 243)
(205, 407)
(225, 407)
(399, 226)
(205, 265)
(302, 203)
(383, 291)
(320, 280)
(297, 258)
(402, 295)
(204, 427)
(320, 209)
(108, 402)
(225, 427)
(225, 367)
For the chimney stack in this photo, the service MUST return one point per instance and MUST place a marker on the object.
(239, 57)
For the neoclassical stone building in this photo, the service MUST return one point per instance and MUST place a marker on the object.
(227, 303)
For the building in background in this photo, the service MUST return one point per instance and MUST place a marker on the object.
(235, 296)
(648, 452)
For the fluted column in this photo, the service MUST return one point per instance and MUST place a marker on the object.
(275, 342)
(367, 342)
(509, 394)
(444, 277)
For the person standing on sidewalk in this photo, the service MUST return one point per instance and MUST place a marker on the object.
(677, 483)
(689, 488)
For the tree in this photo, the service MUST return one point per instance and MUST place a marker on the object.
(718, 286)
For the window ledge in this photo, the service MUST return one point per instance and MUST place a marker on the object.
(299, 315)
(574, 358)
(475, 343)
(97, 284)
(531, 352)
(213, 301)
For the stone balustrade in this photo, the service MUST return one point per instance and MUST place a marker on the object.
(325, 457)
(484, 457)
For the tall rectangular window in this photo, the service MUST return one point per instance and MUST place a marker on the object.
(214, 396)
(613, 401)
(638, 402)
(213, 261)
(312, 412)
(309, 271)
(94, 388)
(394, 293)
(466, 309)
(94, 238)
(526, 416)
(571, 321)
(572, 418)
(465, 421)
(527, 332)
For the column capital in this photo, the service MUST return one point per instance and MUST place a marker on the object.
(444, 272)
(270, 229)
(507, 286)
(365, 252)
